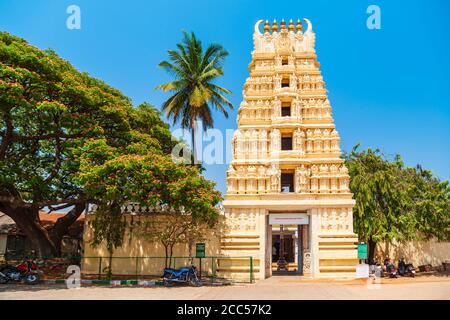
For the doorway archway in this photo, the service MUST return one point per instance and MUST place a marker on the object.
(288, 240)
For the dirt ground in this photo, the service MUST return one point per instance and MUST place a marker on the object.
(276, 288)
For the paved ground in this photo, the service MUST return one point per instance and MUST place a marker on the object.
(283, 288)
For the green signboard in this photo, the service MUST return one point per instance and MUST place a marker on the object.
(362, 251)
(200, 250)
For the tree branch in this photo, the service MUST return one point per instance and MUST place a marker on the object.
(47, 137)
(63, 223)
(64, 206)
(57, 165)
(6, 137)
(20, 203)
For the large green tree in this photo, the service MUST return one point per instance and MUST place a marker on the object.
(67, 140)
(193, 90)
(395, 202)
(48, 110)
(142, 172)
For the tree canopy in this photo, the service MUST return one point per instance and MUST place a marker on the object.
(68, 139)
(394, 201)
(194, 91)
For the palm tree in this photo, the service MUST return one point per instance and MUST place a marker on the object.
(194, 91)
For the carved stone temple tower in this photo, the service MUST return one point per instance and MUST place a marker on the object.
(288, 203)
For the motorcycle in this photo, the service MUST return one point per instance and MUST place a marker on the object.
(405, 269)
(26, 271)
(183, 275)
(390, 268)
(376, 270)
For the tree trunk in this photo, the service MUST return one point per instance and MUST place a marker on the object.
(193, 131)
(166, 249)
(171, 255)
(372, 247)
(190, 245)
(45, 243)
(63, 224)
(27, 220)
(110, 264)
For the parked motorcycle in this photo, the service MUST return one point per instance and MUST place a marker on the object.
(390, 268)
(183, 275)
(405, 269)
(26, 271)
(376, 270)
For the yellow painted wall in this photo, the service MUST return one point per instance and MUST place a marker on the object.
(415, 252)
(3, 240)
(124, 261)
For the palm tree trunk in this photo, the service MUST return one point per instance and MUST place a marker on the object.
(193, 131)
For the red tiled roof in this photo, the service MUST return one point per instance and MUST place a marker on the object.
(47, 220)
(51, 218)
(6, 223)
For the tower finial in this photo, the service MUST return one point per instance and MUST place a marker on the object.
(274, 25)
(267, 27)
(291, 26)
(299, 26)
(283, 25)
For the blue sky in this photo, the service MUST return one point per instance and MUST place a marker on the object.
(389, 88)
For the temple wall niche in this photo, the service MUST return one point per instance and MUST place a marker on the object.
(250, 144)
(260, 179)
(242, 221)
(336, 220)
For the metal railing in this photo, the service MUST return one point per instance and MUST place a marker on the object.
(143, 267)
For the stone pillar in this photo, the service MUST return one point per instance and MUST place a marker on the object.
(314, 225)
(264, 243)
(296, 248)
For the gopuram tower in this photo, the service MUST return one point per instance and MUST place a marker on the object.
(288, 203)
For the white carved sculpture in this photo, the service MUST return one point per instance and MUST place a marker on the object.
(275, 139)
(298, 109)
(307, 261)
(284, 40)
(263, 143)
(278, 61)
(257, 37)
(274, 173)
(309, 38)
(268, 43)
(343, 170)
(254, 143)
(241, 185)
(293, 81)
(277, 81)
(261, 171)
(231, 181)
(276, 108)
(302, 174)
(291, 60)
(299, 141)
(239, 144)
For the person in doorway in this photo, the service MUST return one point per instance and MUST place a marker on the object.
(275, 251)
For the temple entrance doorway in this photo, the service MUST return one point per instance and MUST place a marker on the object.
(288, 238)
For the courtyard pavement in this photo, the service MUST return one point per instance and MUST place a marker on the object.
(277, 288)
